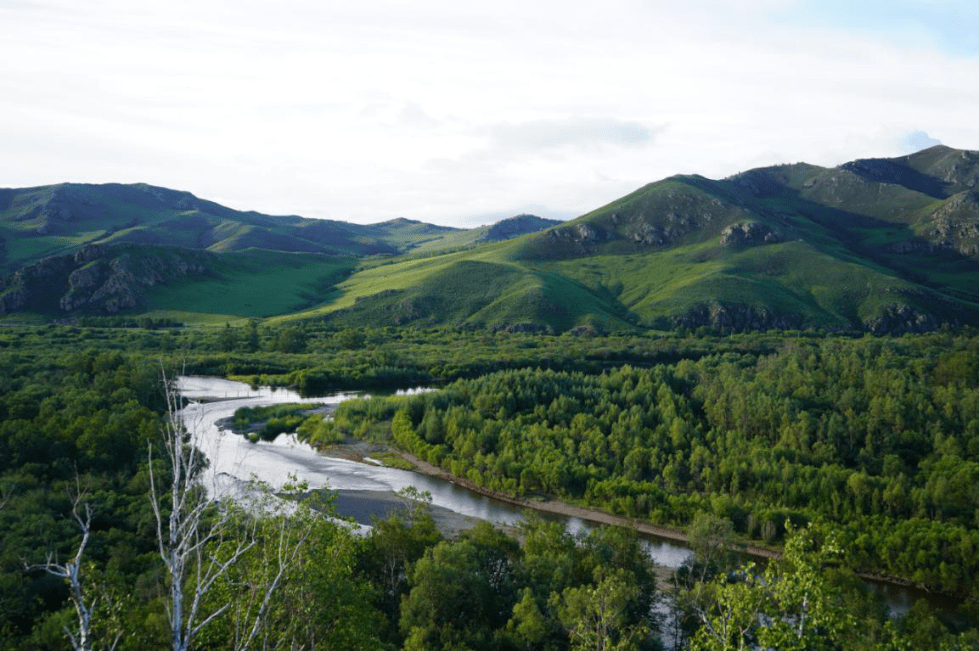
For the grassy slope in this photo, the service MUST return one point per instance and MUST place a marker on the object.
(649, 255)
(407, 234)
(790, 277)
(485, 286)
(831, 266)
(448, 242)
(52, 220)
(818, 276)
(254, 283)
(93, 217)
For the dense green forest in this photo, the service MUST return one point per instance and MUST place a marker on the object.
(880, 438)
(852, 454)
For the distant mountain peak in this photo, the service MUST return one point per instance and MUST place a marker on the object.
(515, 226)
(399, 220)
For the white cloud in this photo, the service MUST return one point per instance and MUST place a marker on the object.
(442, 110)
(574, 132)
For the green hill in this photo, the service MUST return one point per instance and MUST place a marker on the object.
(53, 220)
(880, 245)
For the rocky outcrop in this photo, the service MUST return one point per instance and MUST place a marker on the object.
(32, 286)
(670, 231)
(955, 225)
(899, 319)
(748, 234)
(98, 279)
(514, 227)
(578, 239)
(12, 300)
(895, 319)
(728, 317)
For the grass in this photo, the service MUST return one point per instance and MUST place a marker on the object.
(637, 281)
(197, 318)
(408, 235)
(821, 280)
(645, 259)
(254, 283)
(392, 460)
(386, 276)
(21, 249)
(484, 286)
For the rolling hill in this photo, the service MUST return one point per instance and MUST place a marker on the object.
(873, 245)
(106, 249)
(878, 245)
(36, 223)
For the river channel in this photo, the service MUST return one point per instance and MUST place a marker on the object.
(234, 460)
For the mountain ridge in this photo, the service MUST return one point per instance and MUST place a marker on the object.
(878, 245)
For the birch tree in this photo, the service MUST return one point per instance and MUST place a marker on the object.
(200, 539)
(788, 606)
(81, 639)
(596, 616)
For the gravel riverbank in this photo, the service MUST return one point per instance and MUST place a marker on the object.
(363, 451)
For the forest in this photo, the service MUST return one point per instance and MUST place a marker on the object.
(849, 455)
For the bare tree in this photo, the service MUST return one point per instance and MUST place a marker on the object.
(70, 571)
(5, 493)
(283, 532)
(200, 539)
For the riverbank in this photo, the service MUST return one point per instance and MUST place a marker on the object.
(566, 509)
(367, 506)
(275, 461)
(362, 451)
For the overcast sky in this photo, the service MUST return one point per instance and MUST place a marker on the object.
(461, 113)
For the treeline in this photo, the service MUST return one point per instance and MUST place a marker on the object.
(266, 423)
(314, 358)
(879, 437)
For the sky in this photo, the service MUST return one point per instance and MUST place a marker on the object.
(464, 113)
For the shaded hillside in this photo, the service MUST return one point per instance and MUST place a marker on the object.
(505, 229)
(53, 220)
(677, 211)
(478, 293)
(512, 227)
(103, 279)
(98, 279)
(101, 249)
(408, 234)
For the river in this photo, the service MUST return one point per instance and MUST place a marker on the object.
(234, 459)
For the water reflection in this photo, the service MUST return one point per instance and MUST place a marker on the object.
(234, 459)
